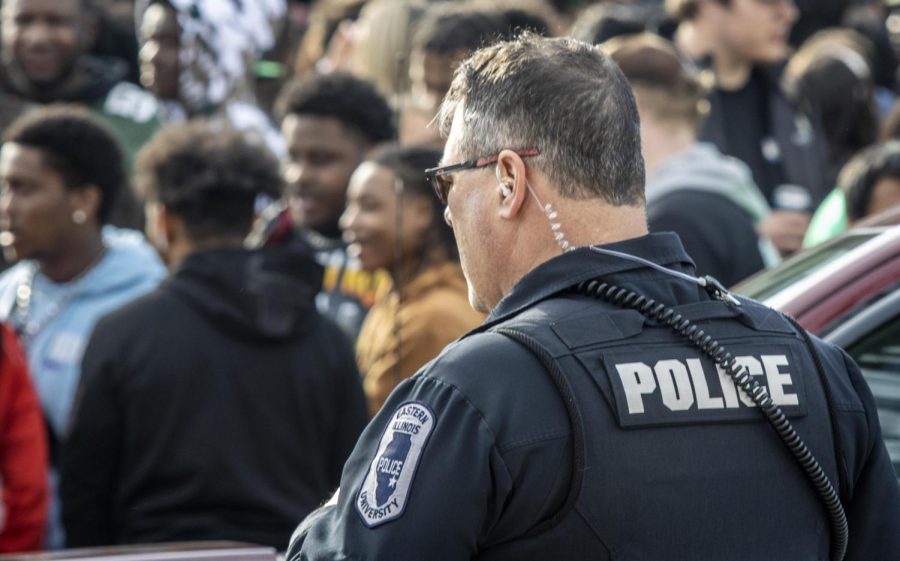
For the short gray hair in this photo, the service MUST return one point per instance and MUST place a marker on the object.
(558, 95)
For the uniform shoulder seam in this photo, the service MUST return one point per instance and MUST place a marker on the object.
(457, 390)
(501, 447)
(534, 439)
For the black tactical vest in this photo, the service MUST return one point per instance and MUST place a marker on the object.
(673, 462)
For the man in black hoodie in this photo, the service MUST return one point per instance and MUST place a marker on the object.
(221, 406)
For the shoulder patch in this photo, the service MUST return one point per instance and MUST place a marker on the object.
(389, 479)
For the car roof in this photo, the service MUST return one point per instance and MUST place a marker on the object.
(836, 281)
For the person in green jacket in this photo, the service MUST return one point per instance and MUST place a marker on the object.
(867, 185)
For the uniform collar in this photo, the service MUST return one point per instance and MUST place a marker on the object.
(569, 269)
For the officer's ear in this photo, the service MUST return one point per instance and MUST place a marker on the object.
(512, 188)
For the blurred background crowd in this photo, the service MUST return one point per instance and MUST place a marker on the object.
(221, 253)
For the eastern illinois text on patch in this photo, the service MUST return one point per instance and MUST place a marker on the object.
(385, 490)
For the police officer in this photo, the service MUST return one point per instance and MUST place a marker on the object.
(575, 427)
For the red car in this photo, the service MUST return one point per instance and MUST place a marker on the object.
(821, 286)
(846, 291)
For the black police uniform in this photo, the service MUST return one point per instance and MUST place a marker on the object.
(473, 458)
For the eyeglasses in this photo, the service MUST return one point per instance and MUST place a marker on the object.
(441, 183)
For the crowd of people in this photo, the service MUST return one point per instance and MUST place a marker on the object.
(222, 253)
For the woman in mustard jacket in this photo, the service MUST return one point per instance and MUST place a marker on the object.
(394, 222)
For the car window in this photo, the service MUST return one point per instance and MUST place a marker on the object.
(878, 355)
(769, 283)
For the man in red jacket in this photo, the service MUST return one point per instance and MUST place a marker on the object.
(23, 453)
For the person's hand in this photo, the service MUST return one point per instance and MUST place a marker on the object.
(339, 54)
(785, 229)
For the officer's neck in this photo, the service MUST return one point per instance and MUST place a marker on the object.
(583, 223)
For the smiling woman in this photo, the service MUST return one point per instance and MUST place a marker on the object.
(394, 222)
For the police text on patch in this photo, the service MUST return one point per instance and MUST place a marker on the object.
(666, 385)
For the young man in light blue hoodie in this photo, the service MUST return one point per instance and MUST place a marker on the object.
(60, 172)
